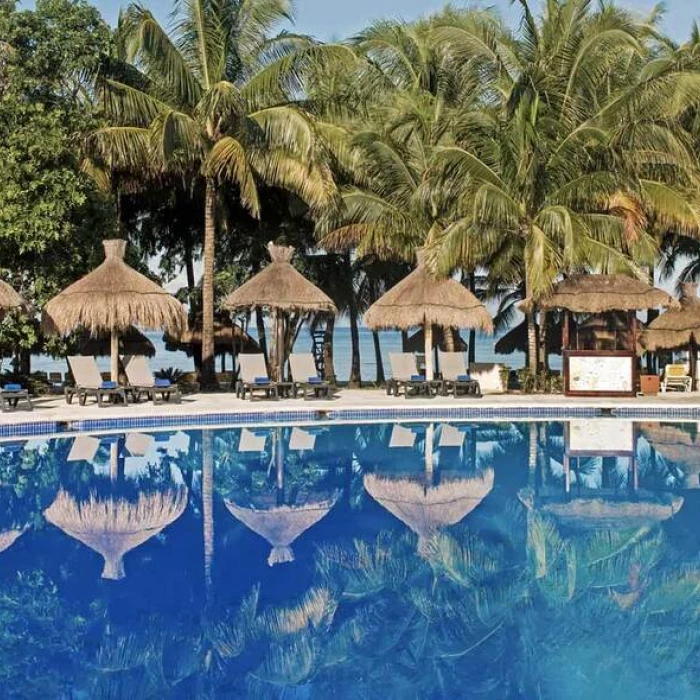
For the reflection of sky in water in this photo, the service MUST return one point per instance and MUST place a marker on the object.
(419, 560)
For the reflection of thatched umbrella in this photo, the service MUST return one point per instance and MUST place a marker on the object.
(423, 301)
(603, 293)
(281, 525)
(112, 298)
(114, 526)
(131, 342)
(426, 509)
(10, 299)
(677, 446)
(9, 537)
(282, 289)
(602, 514)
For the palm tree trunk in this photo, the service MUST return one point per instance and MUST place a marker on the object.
(448, 339)
(208, 374)
(328, 366)
(355, 376)
(532, 344)
(189, 267)
(544, 356)
(378, 358)
(262, 337)
(471, 359)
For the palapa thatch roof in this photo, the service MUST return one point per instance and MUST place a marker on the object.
(425, 509)
(674, 328)
(225, 335)
(113, 296)
(600, 293)
(421, 299)
(602, 514)
(281, 525)
(10, 299)
(515, 340)
(9, 537)
(113, 526)
(279, 286)
(131, 342)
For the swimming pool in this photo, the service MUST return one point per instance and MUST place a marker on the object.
(394, 560)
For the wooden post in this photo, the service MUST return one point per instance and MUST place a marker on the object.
(114, 352)
(565, 340)
(693, 357)
(280, 346)
(428, 333)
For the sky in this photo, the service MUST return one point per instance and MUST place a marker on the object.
(334, 19)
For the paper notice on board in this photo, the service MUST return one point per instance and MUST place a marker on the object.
(603, 374)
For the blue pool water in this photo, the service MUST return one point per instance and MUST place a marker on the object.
(413, 560)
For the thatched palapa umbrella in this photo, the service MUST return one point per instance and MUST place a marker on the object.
(678, 446)
(423, 301)
(677, 328)
(282, 289)
(112, 298)
(426, 507)
(114, 526)
(10, 300)
(9, 537)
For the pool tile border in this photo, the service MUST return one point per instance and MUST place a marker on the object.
(36, 428)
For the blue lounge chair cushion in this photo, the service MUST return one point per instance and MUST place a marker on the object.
(162, 383)
(12, 387)
(108, 385)
(315, 380)
(261, 380)
(417, 378)
(463, 378)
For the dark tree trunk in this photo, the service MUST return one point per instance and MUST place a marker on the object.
(208, 372)
(328, 365)
(472, 333)
(355, 372)
(262, 337)
(189, 268)
(378, 357)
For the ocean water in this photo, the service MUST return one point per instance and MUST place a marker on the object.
(443, 560)
(390, 342)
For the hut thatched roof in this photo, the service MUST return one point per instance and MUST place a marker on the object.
(114, 526)
(601, 293)
(427, 509)
(420, 298)
(678, 446)
(131, 342)
(515, 340)
(10, 299)
(674, 328)
(279, 286)
(281, 525)
(113, 296)
(601, 514)
(225, 335)
(9, 537)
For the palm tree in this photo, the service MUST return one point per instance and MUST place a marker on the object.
(213, 102)
(572, 151)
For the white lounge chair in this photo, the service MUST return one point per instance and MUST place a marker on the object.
(89, 382)
(305, 377)
(142, 382)
(405, 375)
(455, 376)
(677, 378)
(254, 378)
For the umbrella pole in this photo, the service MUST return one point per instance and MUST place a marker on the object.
(428, 333)
(114, 352)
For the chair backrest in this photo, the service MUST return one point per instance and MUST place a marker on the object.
(452, 365)
(84, 448)
(85, 372)
(301, 440)
(403, 365)
(252, 366)
(675, 371)
(251, 442)
(138, 372)
(401, 437)
(302, 366)
(450, 436)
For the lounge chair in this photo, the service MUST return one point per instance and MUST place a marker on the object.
(455, 377)
(11, 395)
(404, 374)
(254, 378)
(676, 377)
(305, 377)
(89, 382)
(142, 382)
(57, 382)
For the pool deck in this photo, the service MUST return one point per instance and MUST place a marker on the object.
(350, 405)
